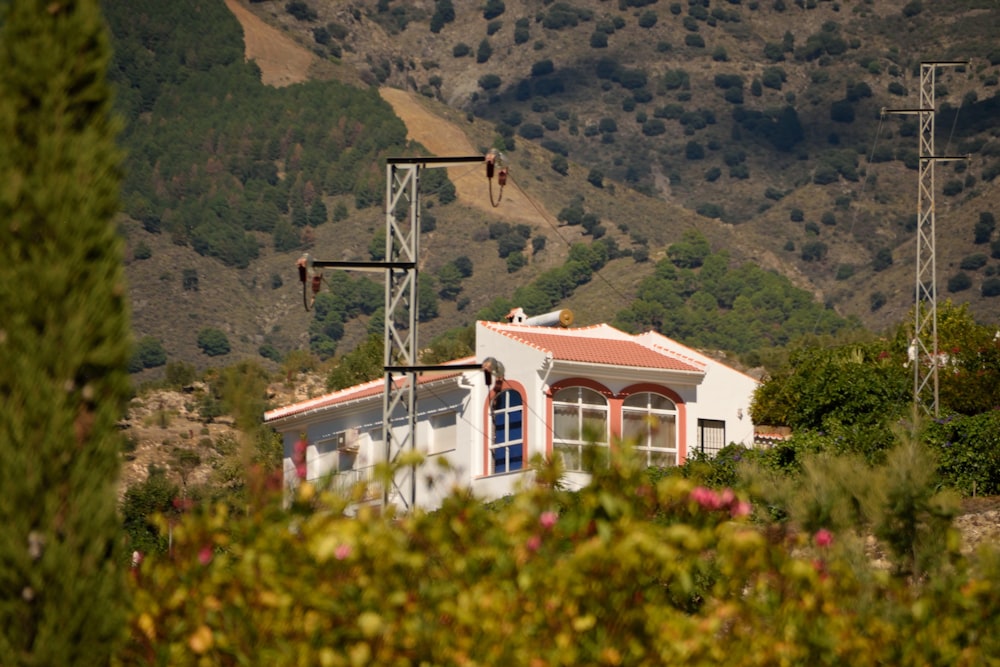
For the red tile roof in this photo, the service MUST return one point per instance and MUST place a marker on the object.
(600, 344)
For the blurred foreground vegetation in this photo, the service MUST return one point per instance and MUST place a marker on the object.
(631, 570)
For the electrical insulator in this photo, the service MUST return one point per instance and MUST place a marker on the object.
(317, 279)
(491, 158)
(502, 177)
(302, 270)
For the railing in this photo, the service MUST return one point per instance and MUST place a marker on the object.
(346, 481)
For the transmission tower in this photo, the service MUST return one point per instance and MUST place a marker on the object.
(924, 353)
(402, 313)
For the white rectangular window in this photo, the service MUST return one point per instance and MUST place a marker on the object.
(444, 432)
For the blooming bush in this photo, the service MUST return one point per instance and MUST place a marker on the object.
(624, 572)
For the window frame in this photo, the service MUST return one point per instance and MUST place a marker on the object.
(653, 419)
(578, 409)
(707, 427)
(504, 413)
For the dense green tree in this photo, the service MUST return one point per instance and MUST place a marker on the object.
(449, 281)
(484, 51)
(142, 502)
(213, 342)
(64, 338)
(846, 385)
(208, 179)
(363, 363)
(149, 353)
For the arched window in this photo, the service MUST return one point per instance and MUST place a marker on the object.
(650, 421)
(507, 448)
(580, 419)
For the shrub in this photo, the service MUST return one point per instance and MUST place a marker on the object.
(953, 187)
(531, 131)
(882, 260)
(493, 9)
(560, 165)
(845, 271)
(814, 251)
(213, 342)
(991, 287)
(542, 67)
(301, 11)
(634, 545)
(694, 151)
(461, 50)
(959, 282)
(484, 51)
(694, 40)
(973, 262)
(489, 81)
(149, 353)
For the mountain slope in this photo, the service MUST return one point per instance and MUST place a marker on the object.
(825, 206)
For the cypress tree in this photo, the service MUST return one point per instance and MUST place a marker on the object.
(64, 338)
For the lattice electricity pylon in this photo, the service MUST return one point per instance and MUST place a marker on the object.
(925, 355)
(402, 312)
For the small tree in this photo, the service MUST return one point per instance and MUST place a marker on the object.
(213, 342)
(484, 51)
(64, 340)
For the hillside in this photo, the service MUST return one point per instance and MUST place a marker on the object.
(683, 137)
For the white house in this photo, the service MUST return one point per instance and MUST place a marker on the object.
(557, 390)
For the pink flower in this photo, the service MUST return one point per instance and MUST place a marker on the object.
(548, 519)
(301, 470)
(205, 555)
(534, 543)
(740, 508)
(707, 498)
(823, 538)
(727, 498)
(342, 552)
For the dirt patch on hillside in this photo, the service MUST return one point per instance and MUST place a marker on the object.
(443, 138)
(281, 60)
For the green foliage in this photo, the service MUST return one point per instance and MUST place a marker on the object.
(560, 165)
(493, 9)
(823, 387)
(756, 309)
(959, 282)
(346, 298)
(179, 374)
(142, 251)
(149, 353)
(596, 177)
(970, 382)
(64, 339)
(142, 502)
(213, 342)
(484, 51)
(968, 451)
(444, 13)
(212, 178)
(899, 501)
(489, 81)
(690, 252)
(595, 577)
(363, 363)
